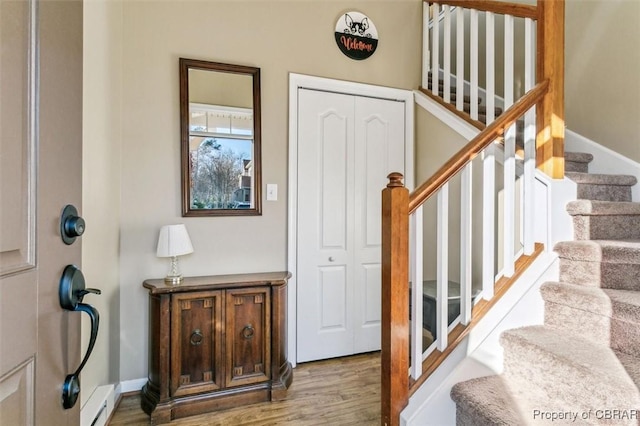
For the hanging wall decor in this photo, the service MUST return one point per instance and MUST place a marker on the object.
(356, 35)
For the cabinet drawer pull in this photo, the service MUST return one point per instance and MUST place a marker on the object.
(248, 331)
(196, 337)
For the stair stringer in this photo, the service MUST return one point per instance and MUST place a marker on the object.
(481, 353)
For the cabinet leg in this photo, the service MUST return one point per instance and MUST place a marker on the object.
(282, 382)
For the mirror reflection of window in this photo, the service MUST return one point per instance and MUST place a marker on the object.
(220, 151)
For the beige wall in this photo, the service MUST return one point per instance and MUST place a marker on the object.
(131, 110)
(602, 69)
(279, 37)
(102, 136)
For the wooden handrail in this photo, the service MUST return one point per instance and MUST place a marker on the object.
(514, 9)
(467, 153)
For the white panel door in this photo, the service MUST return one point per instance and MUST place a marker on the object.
(379, 139)
(325, 203)
(347, 147)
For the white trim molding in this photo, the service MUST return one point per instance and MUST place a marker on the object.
(300, 81)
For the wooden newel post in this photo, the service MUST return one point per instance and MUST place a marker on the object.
(550, 66)
(395, 300)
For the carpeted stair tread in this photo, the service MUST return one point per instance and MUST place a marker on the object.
(602, 179)
(602, 187)
(605, 220)
(577, 161)
(602, 208)
(575, 370)
(578, 157)
(454, 96)
(613, 303)
(482, 109)
(491, 401)
(566, 351)
(610, 251)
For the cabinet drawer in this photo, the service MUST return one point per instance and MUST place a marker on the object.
(196, 339)
(248, 322)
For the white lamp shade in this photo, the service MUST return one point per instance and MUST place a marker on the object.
(174, 241)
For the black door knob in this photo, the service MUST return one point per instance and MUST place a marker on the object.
(71, 225)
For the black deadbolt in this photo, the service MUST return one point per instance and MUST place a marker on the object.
(71, 225)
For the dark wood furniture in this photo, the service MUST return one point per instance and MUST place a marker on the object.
(216, 342)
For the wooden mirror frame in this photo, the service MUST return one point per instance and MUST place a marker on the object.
(190, 64)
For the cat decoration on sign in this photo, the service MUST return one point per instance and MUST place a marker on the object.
(356, 35)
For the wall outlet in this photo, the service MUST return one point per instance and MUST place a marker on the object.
(272, 192)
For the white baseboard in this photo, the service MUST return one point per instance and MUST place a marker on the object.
(101, 403)
(97, 410)
(131, 386)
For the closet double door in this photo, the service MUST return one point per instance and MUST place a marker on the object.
(347, 145)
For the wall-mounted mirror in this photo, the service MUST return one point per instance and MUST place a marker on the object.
(220, 136)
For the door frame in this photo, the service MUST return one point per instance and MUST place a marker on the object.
(301, 81)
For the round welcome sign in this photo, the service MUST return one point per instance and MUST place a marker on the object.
(356, 35)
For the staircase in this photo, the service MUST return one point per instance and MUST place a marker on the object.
(583, 365)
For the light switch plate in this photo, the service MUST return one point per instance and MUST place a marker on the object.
(272, 192)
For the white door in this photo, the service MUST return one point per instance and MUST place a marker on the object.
(40, 172)
(347, 146)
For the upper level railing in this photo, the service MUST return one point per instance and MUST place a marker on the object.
(534, 120)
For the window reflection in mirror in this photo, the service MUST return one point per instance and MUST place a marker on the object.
(220, 139)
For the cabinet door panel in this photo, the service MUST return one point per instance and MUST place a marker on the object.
(196, 339)
(248, 319)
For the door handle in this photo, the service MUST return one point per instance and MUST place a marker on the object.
(72, 291)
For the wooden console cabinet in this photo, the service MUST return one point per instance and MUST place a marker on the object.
(216, 342)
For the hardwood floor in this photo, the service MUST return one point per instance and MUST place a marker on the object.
(340, 391)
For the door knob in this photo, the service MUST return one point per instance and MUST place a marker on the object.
(331, 259)
(71, 225)
(71, 292)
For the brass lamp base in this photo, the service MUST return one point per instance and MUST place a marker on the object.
(173, 279)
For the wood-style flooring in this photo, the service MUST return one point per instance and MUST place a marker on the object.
(340, 391)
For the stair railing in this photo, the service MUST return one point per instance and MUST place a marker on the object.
(406, 363)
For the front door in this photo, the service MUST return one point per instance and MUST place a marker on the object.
(347, 147)
(40, 172)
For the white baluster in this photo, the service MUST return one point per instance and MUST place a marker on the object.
(426, 53)
(442, 294)
(466, 203)
(509, 154)
(473, 62)
(491, 66)
(460, 59)
(447, 54)
(488, 221)
(416, 292)
(529, 138)
(435, 50)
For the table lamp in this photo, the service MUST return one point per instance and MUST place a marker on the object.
(174, 241)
